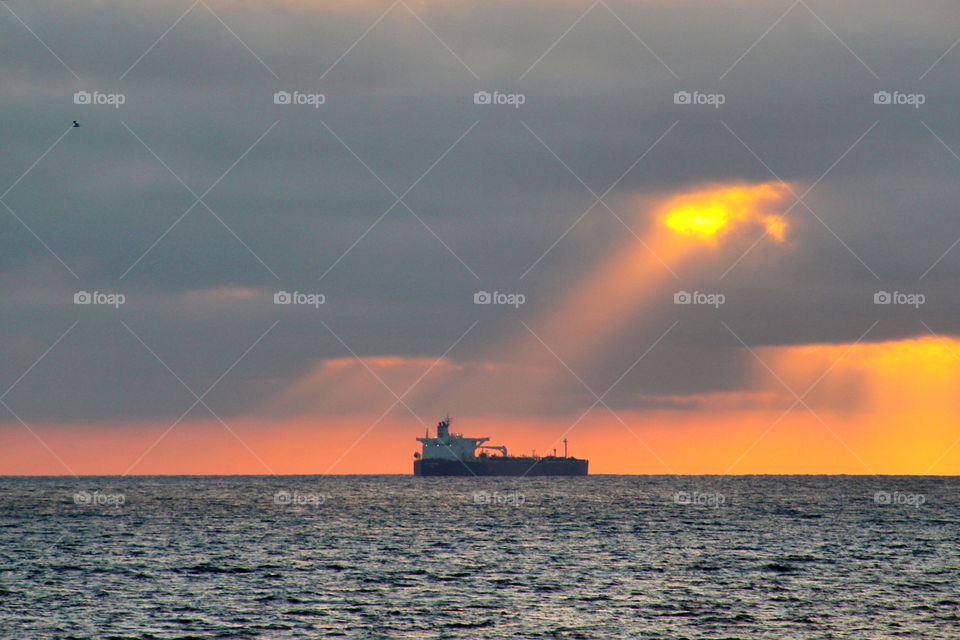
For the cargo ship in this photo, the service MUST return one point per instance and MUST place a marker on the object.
(452, 454)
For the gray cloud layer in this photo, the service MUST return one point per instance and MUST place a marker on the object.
(399, 99)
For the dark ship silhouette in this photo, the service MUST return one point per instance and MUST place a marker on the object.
(451, 454)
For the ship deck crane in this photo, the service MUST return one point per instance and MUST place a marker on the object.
(502, 450)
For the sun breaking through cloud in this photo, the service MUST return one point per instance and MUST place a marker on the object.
(618, 288)
(711, 212)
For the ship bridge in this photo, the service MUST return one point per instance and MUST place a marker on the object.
(450, 446)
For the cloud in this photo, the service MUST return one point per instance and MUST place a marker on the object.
(287, 209)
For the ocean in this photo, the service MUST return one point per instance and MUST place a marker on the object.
(785, 557)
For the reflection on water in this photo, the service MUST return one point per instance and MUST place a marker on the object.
(403, 557)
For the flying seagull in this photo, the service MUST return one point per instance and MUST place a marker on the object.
(76, 124)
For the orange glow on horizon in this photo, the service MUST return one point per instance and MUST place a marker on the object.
(887, 407)
(901, 393)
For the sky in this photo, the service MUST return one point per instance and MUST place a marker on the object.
(288, 237)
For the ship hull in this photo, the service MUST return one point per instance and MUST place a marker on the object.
(499, 466)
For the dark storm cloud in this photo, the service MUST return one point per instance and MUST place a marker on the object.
(499, 199)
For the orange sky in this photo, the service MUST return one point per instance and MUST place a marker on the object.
(886, 408)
